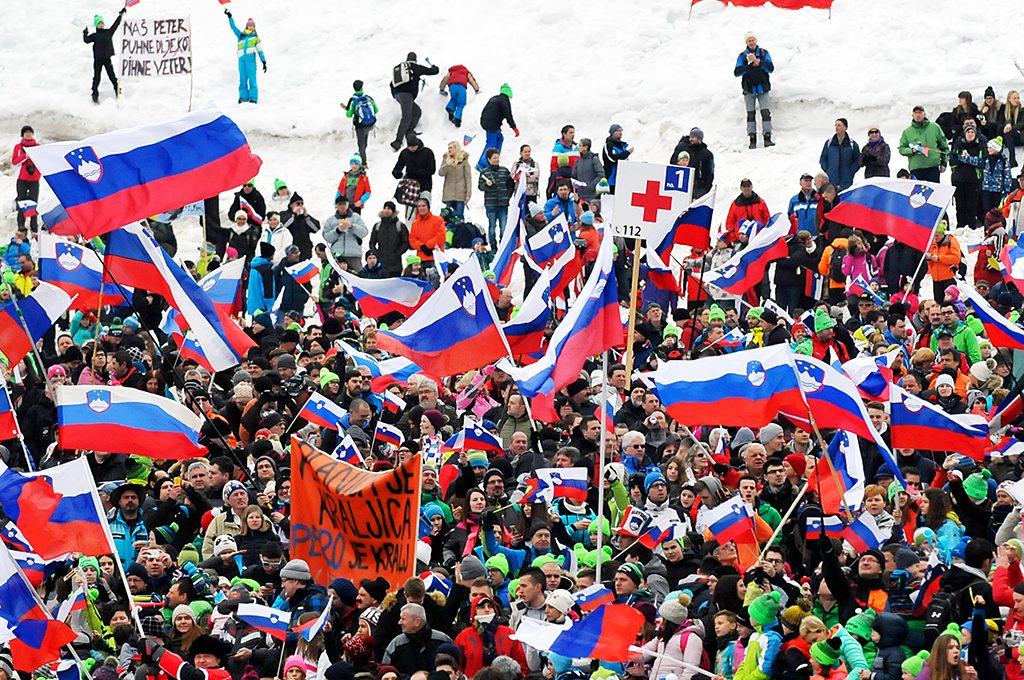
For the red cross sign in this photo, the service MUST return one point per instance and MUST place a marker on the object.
(651, 200)
(648, 199)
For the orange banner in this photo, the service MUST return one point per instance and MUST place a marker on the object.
(349, 522)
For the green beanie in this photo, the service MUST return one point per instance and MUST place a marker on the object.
(513, 588)
(755, 312)
(412, 259)
(823, 322)
(188, 554)
(915, 664)
(805, 347)
(765, 609)
(716, 313)
(563, 160)
(859, 625)
(672, 330)
(953, 630)
(826, 652)
(601, 524)
(1014, 316)
(97, 20)
(87, 562)
(974, 323)
(506, 90)
(976, 485)
(499, 562)
(541, 560)
(249, 583)
(894, 489)
(201, 608)
(9, 276)
(279, 184)
(327, 377)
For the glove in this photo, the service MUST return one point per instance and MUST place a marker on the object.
(227, 12)
(426, 251)
(264, 67)
(397, 174)
(123, 10)
(92, 595)
(150, 646)
(30, 168)
(610, 475)
(444, 92)
(516, 130)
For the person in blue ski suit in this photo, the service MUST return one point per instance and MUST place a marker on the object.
(248, 48)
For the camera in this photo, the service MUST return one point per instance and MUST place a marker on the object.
(580, 243)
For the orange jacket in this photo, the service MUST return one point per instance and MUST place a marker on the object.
(948, 253)
(427, 231)
(825, 263)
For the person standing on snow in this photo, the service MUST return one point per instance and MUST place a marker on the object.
(919, 143)
(102, 41)
(405, 85)
(362, 109)
(28, 174)
(249, 45)
(455, 80)
(753, 66)
(615, 150)
(840, 156)
(497, 109)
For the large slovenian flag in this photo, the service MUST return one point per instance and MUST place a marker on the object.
(125, 420)
(134, 258)
(322, 412)
(57, 511)
(56, 219)
(507, 253)
(606, 634)
(730, 520)
(525, 331)
(224, 286)
(8, 421)
(547, 245)
(917, 424)
(273, 622)
(747, 388)
(842, 482)
(116, 178)
(746, 268)
(660, 274)
(906, 209)
(591, 326)
(377, 297)
(692, 228)
(34, 637)
(1001, 331)
(40, 310)
(552, 483)
(457, 330)
(77, 271)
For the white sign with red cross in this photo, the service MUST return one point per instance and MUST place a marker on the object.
(649, 198)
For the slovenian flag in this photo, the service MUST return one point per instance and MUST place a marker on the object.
(606, 634)
(731, 520)
(322, 412)
(550, 243)
(1000, 331)
(309, 630)
(8, 421)
(250, 211)
(554, 483)
(391, 402)
(906, 209)
(388, 434)
(918, 424)
(592, 597)
(692, 228)
(377, 297)
(858, 286)
(525, 330)
(746, 268)
(40, 310)
(28, 208)
(660, 274)
(76, 602)
(348, 452)
(273, 622)
(303, 272)
(473, 437)
(57, 221)
(78, 271)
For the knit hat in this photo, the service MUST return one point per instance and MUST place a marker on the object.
(1017, 545)
(327, 377)
(97, 20)
(653, 478)
(296, 569)
(859, 625)
(55, 370)
(359, 649)
(587, 218)
(794, 614)
(764, 609)
(188, 553)
(506, 90)
(915, 664)
(294, 661)
(633, 570)
(346, 590)
(995, 144)
(905, 558)
(797, 462)
(953, 629)
(716, 313)
(436, 418)
(682, 156)
(672, 330)
(153, 626)
(230, 487)
(561, 600)
(769, 432)
(743, 436)
(944, 379)
(613, 128)
(698, 133)
(676, 609)
(826, 652)
(263, 319)
(823, 322)
(472, 568)
(279, 184)
(477, 459)
(976, 485)
(377, 588)
(563, 160)
(356, 159)
(982, 370)
(86, 562)
(224, 543)
(536, 209)
(183, 610)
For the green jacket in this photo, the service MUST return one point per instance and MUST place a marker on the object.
(964, 339)
(771, 516)
(926, 134)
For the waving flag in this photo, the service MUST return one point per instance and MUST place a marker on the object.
(906, 209)
(8, 421)
(660, 532)
(592, 597)
(473, 437)
(224, 286)
(57, 221)
(250, 211)
(389, 434)
(730, 520)
(77, 271)
(507, 253)
(917, 424)
(735, 339)
(76, 602)
(436, 584)
(1012, 259)
(322, 412)
(605, 634)
(592, 325)
(1001, 331)
(134, 258)
(564, 271)
(606, 410)
(1006, 446)
(40, 310)
(660, 274)
(309, 630)
(126, 420)
(746, 268)
(525, 331)
(391, 402)
(35, 568)
(457, 330)
(273, 622)
(15, 540)
(34, 637)
(383, 373)
(552, 483)
(550, 243)
(842, 482)
(119, 177)
(834, 526)
(858, 286)
(747, 388)
(377, 297)
(28, 208)
(348, 452)
(873, 375)
(692, 228)
(57, 512)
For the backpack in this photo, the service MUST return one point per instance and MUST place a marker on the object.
(401, 74)
(705, 659)
(363, 110)
(943, 610)
(835, 264)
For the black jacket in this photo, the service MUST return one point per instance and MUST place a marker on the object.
(791, 271)
(390, 239)
(411, 653)
(418, 165)
(703, 163)
(497, 109)
(413, 86)
(255, 199)
(102, 40)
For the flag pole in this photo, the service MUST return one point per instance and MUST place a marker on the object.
(785, 518)
(21, 436)
(828, 458)
(700, 289)
(35, 349)
(634, 286)
(191, 78)
(600, 466)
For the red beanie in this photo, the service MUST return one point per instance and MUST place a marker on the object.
(797, 462)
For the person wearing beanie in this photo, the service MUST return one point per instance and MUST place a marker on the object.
(615, 150)
(102, 41)
(765, 642)
(345, 229)
(496, 111)
(389, 238)
(261, 291)
(627, 584)
(344, 595)
(825, 656)
(914, 664)
(486, 637)
(249, 47)
(794, 614)
(754, 67)
(971, 500)
(295, 667)
(678, 643)
(795, 465)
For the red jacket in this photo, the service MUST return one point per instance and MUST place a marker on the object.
(471, 645)
(28, 170)
(753, 208)
(458, 75)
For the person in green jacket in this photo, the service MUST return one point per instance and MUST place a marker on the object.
(925, 145)
(964, 337)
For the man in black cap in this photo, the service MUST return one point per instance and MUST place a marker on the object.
(774, 332)
(405, 85)
(208, 656)
(579, 396)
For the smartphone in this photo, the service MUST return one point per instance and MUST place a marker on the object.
(177, 481)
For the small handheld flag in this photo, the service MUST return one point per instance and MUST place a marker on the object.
(309, 630)
(389, 434)
(271, 621)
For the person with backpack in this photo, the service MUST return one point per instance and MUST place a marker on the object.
(497, 110)
(355, 184)
(102, 41)
(249, 46)
(753, 67)
(679, 641)
(958, 588)
(362, 109)
(831, 266)
(405, 85)
(456, 80)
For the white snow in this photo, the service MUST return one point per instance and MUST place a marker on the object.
(642, 65)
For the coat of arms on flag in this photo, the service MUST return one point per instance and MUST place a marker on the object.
(86, 163)
(920, 195)
(98, 400)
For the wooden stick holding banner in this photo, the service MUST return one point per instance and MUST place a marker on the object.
(689, 666)
(634, 286)
(785, 518)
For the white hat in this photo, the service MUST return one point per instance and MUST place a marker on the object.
(224, 542)
(944, 379)
(561, 600)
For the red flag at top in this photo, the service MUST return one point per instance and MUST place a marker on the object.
(784, 4)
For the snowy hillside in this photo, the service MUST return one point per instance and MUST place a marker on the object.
(642, 65)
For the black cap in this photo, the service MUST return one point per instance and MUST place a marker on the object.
(769, 316)
(944, 332)
(806, 175)
(746, 182)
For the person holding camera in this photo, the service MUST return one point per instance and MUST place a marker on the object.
(28, 175)
(754, 66)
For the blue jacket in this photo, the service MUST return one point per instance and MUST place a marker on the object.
(261, 272)
(14, 251)
(517, 559)
(125, 536)
(803, 212)
(755, 79)
(995, 175)
(567, 208)
(840, 161)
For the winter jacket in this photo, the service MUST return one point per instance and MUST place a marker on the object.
(497, 109)
(262, 288)
(427, 234)
(565, 207)
(762, 649)
(102, 40)
(125, 535)
(889, 656)
(390, 239)
(459, 75)
(14, 251)
(948, 252)
(293, 295)
(614, 151)
(471, 644)
(532, 171)
(249, 44)
(414, 652)
(353, 104)
(499, 192)
(685, 646)
(255, 199)
(925, 134)
(588, 169)
(860, 264)
(802, 212)
(458, 178)
(840, 160)
(28, 171)
(347, 243)
(744, 208)
(413, 86)
(965, 160)
(703, 163)
(995, 174)
(355, 187)
(418, 165)
(559, 148)
(875, 157)
(754, 79)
